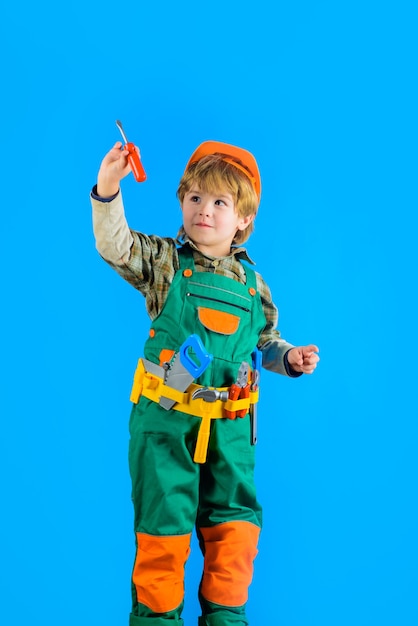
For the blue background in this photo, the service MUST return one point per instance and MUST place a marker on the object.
(324, 94)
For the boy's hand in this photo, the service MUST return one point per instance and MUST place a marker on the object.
(303, 359)
(113, 168)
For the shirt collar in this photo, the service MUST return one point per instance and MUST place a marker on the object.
(238, 251)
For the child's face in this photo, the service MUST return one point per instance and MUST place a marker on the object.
(211, 221)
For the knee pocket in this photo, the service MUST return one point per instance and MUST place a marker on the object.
(229, 549)
(158, 573)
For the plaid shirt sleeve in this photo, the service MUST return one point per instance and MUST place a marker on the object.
(151, 266)
(271, 344)
(148, 263)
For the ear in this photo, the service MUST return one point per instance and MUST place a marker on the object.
(244, 222)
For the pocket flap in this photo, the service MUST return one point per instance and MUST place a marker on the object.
(218, 321)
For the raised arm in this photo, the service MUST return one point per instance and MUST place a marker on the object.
(113, 236)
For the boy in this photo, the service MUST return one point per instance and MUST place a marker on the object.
(191, 451)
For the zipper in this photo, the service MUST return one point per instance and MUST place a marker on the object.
(237, 306)
(220, 289)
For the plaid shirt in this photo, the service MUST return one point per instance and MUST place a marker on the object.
(149, 262)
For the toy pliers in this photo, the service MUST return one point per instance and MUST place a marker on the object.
(239, 390)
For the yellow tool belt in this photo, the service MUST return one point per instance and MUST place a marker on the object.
(153, 388)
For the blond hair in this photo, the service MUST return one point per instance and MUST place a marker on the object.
(212, 174)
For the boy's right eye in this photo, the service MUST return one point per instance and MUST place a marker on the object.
(194, 198)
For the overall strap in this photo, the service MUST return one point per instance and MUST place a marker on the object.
(251, 276)
(186, 259)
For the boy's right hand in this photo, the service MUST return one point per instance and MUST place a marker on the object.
(113, 168)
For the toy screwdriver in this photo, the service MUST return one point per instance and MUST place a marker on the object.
(133, 157)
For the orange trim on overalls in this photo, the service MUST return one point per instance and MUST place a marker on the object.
(158, 573)
(230, 549)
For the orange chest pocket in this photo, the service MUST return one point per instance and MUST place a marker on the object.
(218, 321)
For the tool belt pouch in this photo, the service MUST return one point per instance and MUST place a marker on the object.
(138, 382)
(239, 408)
(153, 387)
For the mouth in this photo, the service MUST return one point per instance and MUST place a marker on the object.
(202, 225)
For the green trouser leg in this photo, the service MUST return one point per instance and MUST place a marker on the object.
(216, 615)
(149, 618)
(160, 455)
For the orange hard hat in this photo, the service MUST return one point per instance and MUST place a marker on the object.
(238, 157)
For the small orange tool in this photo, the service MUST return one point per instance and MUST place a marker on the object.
(239, 390)
(133, 157)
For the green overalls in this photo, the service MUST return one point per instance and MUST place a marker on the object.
(171, 493)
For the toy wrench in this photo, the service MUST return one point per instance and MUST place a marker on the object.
(183, 369)
(238, 390)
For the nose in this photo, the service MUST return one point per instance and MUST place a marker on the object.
(205, 207)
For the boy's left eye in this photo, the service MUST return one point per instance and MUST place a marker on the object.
(220, 202)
